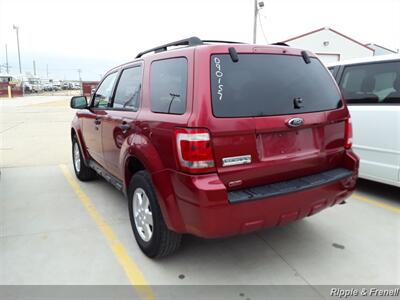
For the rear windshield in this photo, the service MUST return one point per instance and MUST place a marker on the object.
(268, 85)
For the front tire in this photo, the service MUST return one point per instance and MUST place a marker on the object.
(83, 172)
(151, 232)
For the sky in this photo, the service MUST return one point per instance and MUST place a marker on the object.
(93, 36)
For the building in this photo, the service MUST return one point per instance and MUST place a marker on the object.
(331, 45)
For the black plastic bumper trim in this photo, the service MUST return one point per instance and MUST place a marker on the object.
(289, 186)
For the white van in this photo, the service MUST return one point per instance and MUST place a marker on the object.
(371, 87)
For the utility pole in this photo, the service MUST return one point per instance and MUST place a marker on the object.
(6, 60)
(19, 53)
(47, 71)
(34, 67)
(79, 74)
(257, 7)
(255, 22)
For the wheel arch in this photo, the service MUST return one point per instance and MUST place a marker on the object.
(131, 167)
(138, 153)
(144, 156)
(78, 135)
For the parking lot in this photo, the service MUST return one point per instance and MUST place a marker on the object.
(55, 230)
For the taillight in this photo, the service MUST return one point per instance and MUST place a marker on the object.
(348, 134)
(194, 150)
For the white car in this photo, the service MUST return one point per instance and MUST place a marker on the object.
(47, 87)
(371, 87)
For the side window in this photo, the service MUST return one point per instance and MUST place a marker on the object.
(128, 89)
(384, 84)
(103, 94)
(377, 83)
(352, 79)
(168, 85)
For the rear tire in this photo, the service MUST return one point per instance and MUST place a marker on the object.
(83, 172)
(151, 232)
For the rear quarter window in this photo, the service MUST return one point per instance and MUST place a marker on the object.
(267, 85)
(168, 85)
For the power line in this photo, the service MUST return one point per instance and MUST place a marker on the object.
(262, 28)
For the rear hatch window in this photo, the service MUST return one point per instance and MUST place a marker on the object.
(268, 85)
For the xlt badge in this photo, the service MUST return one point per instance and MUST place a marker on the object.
(236, 160)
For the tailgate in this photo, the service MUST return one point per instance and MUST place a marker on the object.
(278, 152)
(276, 117)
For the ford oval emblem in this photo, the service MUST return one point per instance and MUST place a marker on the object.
(295, 122)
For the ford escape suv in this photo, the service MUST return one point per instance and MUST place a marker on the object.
(216, 139)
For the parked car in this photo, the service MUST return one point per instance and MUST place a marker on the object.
(37, 87)
(216, 139)
(56, 86)
(371, 87)
(27, 87)
(47, 86)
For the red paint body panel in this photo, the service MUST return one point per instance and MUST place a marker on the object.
(16, 90)
(205, 210)
(113, 138)
(88, 86)
(198, 204)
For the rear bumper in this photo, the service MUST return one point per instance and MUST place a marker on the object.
(289, 186)
(207, 210)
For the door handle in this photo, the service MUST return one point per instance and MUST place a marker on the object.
(97, 121)
(125, 127)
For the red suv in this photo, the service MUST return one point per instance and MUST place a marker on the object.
(216, 138)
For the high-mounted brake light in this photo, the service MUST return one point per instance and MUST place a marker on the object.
(194, 150)
(348, 134)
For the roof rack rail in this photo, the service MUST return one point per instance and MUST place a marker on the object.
(192, 41)
(280, 44)
(224, 42)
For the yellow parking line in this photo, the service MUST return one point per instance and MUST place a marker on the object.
(135, 276)
(376, 203)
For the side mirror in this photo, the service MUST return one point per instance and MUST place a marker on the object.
(79, 102)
